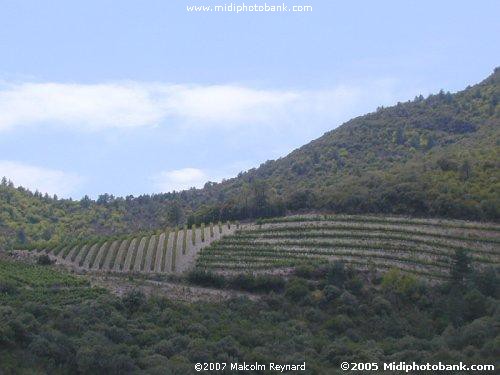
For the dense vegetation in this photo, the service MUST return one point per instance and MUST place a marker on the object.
(438, 156)
(55, 323)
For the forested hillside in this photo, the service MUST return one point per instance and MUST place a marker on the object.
(27, 216)
(55, 323)
(438, 156)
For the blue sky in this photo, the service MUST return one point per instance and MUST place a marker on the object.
(130, 97)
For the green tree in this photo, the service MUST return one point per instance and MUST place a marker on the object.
(461, 267)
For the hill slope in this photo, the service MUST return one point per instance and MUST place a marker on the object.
(438, 156)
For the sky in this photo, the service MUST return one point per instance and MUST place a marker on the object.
(135, 97)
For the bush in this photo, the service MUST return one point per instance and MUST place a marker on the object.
(8, 287)
(134, 300)
(206, 278)
(381, 305)
(475, 305)
(297, 289)
(306, 271)
(252, 283)
(44, 260)
(331, 293)
(336, 274)
(488, 282)
(394, 281)
(339, 324)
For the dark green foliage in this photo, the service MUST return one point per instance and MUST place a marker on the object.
(8, 287)
(296, 290)
(256, 284)
(333, 315)
(244, 282)
(205, 278)
(134, 300)
(43, 260)
(461, 268)
(193, 234)
(436, 156)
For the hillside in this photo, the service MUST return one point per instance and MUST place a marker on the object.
(55, 323)
(438, 157)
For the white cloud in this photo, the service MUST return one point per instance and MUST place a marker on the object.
(138, 104)
(80, 106)
(42, 179)
(228, 104)
(179, 179)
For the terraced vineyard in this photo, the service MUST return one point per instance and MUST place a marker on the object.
(167, 252)
(420, 246)
(417, 246)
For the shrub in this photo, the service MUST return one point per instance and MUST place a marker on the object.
(339, 324)
(184, 240)
(381, 305)
(297, 289)
(44, 260)
(263, 283)
(206, 278)
(336, 273)
(193, 234)
(331, 292)
(134, 300)
(396, 282)
(488, 282)
(305, 270)
(8, 287)
(475, 304)
(348, 299)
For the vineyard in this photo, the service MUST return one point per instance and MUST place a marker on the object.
(419, 246)
(171, 251)
(34, 276)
